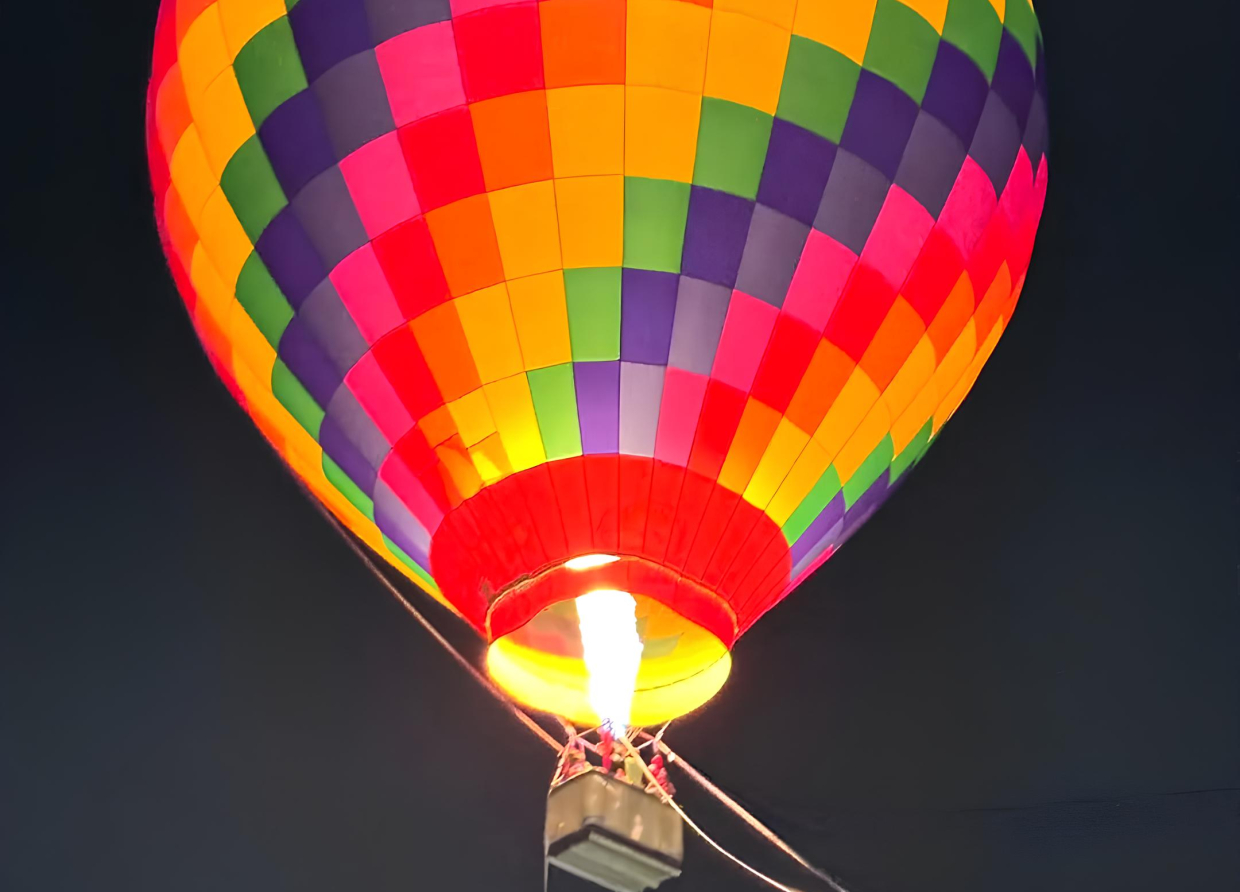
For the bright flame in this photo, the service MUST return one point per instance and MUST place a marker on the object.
(589, 561)
(613, 652)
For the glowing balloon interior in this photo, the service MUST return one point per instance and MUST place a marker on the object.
(545, 299)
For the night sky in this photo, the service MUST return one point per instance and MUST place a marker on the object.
(1023, 674)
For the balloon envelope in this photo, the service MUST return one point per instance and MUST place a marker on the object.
(542, 298)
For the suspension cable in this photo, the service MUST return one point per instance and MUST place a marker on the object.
(478, 676)
(666, 797)
(741, 812)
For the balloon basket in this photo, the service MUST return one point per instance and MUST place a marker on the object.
(612, 833)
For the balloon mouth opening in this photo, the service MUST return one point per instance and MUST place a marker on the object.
(568, 652)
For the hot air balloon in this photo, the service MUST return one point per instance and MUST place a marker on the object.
(604, 322)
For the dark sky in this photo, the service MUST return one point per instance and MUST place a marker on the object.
(1022, 675)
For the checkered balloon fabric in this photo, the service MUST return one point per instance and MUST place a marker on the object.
(689, 283)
